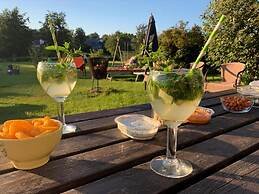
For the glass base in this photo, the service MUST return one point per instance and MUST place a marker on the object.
(174, 168)
(69, 129)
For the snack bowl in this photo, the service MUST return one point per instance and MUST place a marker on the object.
(201, 115)
(236, 104)
(250, 91)
(136, 126)
(32, 152)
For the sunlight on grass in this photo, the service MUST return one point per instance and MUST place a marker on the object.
(21, 95)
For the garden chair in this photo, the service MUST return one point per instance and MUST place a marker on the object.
(231, 74)
(10, 69)
(13, 69)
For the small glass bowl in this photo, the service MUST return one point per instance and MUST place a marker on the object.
(250, 92)
(236, 104)
(137, 126)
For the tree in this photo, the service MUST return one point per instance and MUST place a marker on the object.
(125, 41)
(93, 41)
(237, 39)
(79, 40)
(181, 45)
(104, 39)
(195, 42)
(15, 35)
(139, 37)
(93, 36)
(62, 32)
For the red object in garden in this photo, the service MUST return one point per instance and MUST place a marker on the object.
(80, 64)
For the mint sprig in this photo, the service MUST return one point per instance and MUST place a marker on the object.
(67, 52)
(183, 87)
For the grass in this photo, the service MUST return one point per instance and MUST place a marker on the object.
(214, 78)
(21, 96)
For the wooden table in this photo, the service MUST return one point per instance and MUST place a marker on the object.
(99, 159)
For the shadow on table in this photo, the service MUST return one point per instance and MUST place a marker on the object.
(72, 173)
(78, 170)
(213, 146)
(224, 183)
(18, 111)
(67, 173)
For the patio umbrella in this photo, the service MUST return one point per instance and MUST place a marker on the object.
(151, 37)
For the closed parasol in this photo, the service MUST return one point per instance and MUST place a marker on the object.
(151, 41)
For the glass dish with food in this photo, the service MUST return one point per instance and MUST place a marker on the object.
(236, 104)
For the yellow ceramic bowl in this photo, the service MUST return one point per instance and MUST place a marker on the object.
(31, 153)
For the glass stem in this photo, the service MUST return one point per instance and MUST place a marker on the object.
(171, 142)
(61, 113)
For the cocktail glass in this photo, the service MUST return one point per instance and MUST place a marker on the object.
(58, 80)
(174, 97)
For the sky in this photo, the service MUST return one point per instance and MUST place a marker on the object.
(108, 16)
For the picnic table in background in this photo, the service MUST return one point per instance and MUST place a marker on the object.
(142, 73)
(124, 70)
(99, 159)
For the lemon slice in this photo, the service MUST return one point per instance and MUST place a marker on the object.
(165, 97)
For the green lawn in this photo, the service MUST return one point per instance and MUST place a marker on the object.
(21, 96)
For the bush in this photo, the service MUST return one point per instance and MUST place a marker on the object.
(182, 45)
(237, 39)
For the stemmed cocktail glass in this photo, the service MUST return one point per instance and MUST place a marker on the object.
(58, 80)
(174, 97)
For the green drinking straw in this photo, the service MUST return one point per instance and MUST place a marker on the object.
(52, 31)
(212, 35)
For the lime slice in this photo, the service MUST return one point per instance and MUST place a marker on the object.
(165, 97)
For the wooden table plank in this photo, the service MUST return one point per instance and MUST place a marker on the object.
(208, 95)
(210, 102)
(90, 125)
(75, 145)
(240, 177)
(192, 134)
(82, 143)
(107, 137)
(99, 124)
(103, 123)
(105, 113)
(207, 157)
(5, 166)
(124, 110)
(76, 170)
